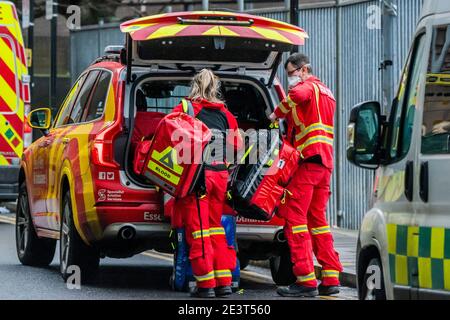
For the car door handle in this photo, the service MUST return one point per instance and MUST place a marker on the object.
(65, 140)
(409, 180)
(424, 182)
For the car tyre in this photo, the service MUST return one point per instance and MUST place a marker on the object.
(73, 251)
(31, 250)
(243, 261)
(281, 268)
(373, 293)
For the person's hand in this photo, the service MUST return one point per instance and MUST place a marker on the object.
(441, 127)
(273, 117)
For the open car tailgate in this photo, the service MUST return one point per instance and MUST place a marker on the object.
(221, 40)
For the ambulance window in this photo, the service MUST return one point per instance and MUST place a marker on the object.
(402, 117)
(66, 107)
(98, 100)
(436, 111)
(83, 97)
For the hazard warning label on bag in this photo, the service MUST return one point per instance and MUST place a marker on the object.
(165, 165)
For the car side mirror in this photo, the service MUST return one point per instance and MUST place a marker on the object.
(364, 135)
(40, 119)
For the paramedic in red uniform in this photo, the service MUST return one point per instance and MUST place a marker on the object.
(309, 111)
(211, 258)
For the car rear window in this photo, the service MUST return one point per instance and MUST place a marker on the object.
(242, 99)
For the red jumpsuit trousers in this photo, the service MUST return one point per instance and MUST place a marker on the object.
(306, 227)
(211, 258)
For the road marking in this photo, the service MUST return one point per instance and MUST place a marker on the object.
(330, 298)
(8, 220)
(157, 255)
(260, 278)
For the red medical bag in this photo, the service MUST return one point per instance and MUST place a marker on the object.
(175, 158)
(258, 189)
(140, 155)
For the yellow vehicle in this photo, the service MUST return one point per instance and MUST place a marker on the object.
(14, 101)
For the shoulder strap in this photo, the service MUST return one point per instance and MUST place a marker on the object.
(188, 107)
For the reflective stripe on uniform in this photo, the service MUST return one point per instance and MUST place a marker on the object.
(315, 127)
(283, 108)
(317, 93)
(291, 103)
(314, 140)
(206, 277)
(216, 231)
(300, 229)
(320, 230)
(198, 234)
(330, 274)
(309, 277)
(222, 273)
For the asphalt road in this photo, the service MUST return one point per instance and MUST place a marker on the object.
(143, 276)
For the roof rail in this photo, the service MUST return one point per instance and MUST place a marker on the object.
(114, 49)
(111, 53)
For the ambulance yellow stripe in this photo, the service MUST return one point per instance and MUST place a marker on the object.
(8, 95)
(413, 242)
(13, 31)
(167, 31)
(3, 161)
(7, 54)
(401, 270)
(18, 38)
(425, 280)
(437, 240)
(392, 238)
(271, 34)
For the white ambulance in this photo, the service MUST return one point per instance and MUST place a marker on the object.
(404, 241)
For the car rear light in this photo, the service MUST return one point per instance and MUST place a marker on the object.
(26, 80)
(102, 153)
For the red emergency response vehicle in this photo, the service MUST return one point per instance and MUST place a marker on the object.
(77, 183)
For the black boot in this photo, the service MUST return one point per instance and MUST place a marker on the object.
(328, 290)
(223, 291)
(296, 290)
(203, 293)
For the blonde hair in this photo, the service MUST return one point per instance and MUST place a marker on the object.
(205, 85)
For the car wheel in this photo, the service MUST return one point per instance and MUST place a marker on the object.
(31, 250)
(73, 251)
(281, 268)
(373, 293)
